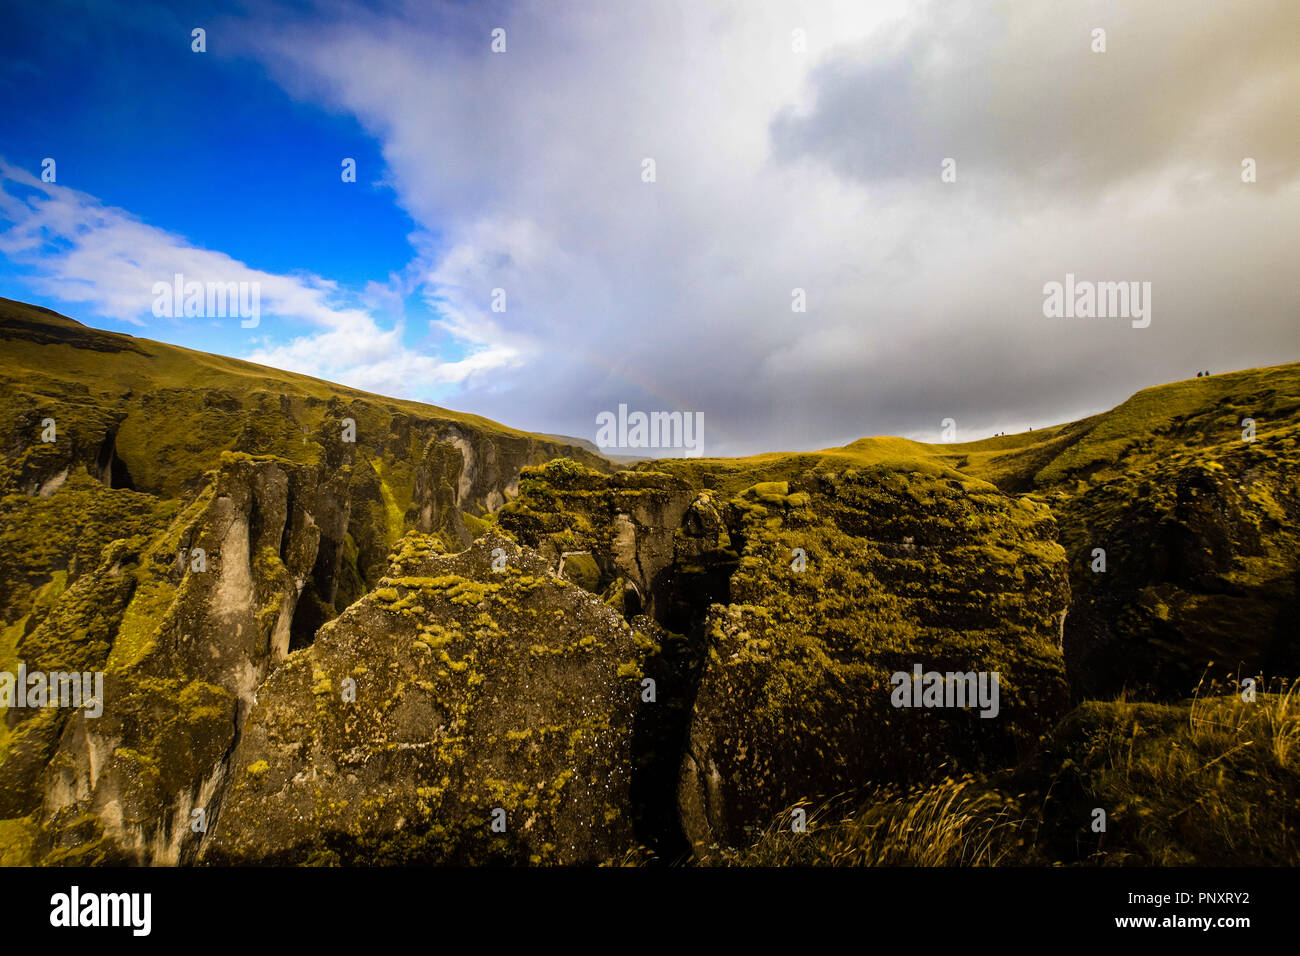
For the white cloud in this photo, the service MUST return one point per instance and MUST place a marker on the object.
(924, 298)
(84, 251)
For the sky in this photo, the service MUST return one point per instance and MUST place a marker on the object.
(851, 218)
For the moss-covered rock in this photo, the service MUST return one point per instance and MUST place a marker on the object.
(871, 573)
(1201, 570)
(458, 687)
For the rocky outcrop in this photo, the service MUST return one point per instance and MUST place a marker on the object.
(48, 440)
(657, 549)
(877, 573)
(204, 612)
(1177, 510)
(210, 612)
(648, 535)
(474, 708)
(794, 600)
(1183, 568)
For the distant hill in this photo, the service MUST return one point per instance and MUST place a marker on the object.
(595, 449)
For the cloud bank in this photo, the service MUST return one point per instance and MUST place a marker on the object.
(819, 169)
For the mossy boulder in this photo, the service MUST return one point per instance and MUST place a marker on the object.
(464, 684)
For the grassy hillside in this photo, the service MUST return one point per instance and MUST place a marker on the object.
(111, 363)
(1191, 417)
(172, 411)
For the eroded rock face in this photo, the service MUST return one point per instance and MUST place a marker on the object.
(647, 529)
(1202, 574)
(452, 690)
(657, 549)
(796, 596)
(89, 611)
(188, 650)
(84, 436)
(897, 570)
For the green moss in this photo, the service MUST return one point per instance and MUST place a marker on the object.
(136, 633)
(583, 571)
(44, 599)
(476, 526)
(321, 684)
(562, 472)
(66, 534)
(16, 838)
(394, 523)
(460, 590)
(89, 847)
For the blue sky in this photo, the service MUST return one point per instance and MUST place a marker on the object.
(796, 147)
(205, 146)
(140, 121)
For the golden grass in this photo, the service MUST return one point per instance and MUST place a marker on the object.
(956, 822)
(1212, 781)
